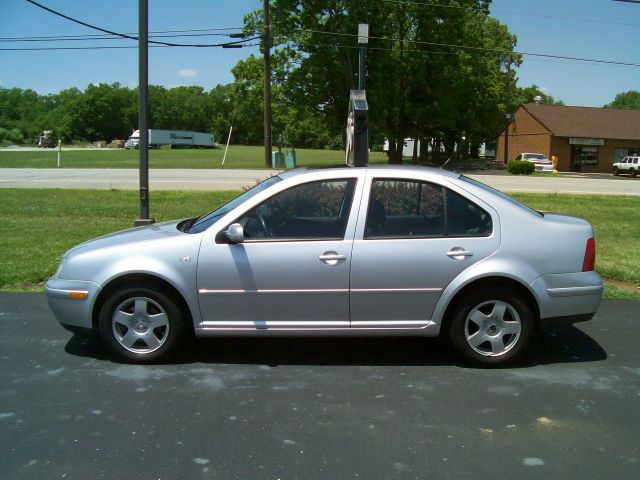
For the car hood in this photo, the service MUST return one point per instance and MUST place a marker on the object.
(156, 231)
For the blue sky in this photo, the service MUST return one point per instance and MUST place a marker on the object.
(599, 29)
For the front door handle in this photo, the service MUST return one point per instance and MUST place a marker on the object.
(459, 253)
(331, 258)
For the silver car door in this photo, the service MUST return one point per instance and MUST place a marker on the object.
(292, 269)
(407, 250)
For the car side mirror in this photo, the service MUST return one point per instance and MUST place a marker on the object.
(235, 233)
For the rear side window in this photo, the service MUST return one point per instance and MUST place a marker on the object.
(465, 218)
(414, 209)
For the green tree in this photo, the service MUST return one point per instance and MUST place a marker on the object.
(418, 84)
(528, 95)
(628, 100)
(103, 112)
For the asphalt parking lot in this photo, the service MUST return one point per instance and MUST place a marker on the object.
(318, 408)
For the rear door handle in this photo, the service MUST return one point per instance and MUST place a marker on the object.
(331, 258)
(459, 253)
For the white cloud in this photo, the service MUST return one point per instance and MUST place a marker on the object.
(545, 90)
(188, 72)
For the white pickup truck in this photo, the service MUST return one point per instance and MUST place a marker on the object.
(629, 164)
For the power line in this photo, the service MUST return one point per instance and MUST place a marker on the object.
(480, 49)
(507, 12)
(110, 47)
(103, 37)
(131, 37)
(156, 34)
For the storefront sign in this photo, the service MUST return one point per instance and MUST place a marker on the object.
(586, 141)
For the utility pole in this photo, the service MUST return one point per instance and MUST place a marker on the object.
(266, 45)
(506, 65)
(143, 111)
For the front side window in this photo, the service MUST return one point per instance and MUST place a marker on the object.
(311, 211)
(406, 209)
(200, 224)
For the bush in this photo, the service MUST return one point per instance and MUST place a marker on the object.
(9, 137)
(520, 167)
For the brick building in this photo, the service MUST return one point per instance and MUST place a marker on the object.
(583, 138)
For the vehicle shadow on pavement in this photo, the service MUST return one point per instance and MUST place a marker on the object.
(552, 346)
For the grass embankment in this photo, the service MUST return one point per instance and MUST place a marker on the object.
(37, 226)
(239, 156)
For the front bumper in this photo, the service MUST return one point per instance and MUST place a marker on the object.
(544, 168)
(566, 298)
(71, 301)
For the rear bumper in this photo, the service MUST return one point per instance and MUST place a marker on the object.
(568, 297)
(71, 312)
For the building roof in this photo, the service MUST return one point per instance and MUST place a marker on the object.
(587, 122)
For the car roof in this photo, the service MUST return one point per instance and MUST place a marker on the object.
(381, 168)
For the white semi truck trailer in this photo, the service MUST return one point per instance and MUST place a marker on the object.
(179, 138)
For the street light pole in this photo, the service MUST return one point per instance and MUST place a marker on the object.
(363, 40)
(143, 111)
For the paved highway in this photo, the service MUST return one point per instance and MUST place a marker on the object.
(218, 179)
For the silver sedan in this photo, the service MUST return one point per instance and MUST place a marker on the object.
(339, 251)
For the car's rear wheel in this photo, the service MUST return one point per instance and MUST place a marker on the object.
(615, 170)
(492, 327)
(141, 324)
(633, 173)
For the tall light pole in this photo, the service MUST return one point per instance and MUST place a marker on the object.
(143, 111)
(266, 45)
(505, 68)
(363, 40)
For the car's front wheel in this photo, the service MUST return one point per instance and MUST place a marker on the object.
(142, 325)
(492, 327)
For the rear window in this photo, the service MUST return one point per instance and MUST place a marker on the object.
(504, 196)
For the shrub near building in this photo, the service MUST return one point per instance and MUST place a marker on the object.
(520, 167)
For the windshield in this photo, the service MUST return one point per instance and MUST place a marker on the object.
(536, 156)
(200, 224)
(500, 194)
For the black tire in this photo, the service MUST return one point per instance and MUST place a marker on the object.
(503, 337)
(142, 324)
(633, 173)
(615, 171)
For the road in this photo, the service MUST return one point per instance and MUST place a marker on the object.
(318, 408)
(218, 179)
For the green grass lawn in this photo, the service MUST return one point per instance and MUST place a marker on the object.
(239, 156)
(38, 225)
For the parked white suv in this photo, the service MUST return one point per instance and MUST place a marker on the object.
(630, 165)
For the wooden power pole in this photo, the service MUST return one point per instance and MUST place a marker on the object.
(266, 45)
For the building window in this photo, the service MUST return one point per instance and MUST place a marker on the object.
(582, 156)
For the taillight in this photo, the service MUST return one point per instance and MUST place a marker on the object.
(589, 261)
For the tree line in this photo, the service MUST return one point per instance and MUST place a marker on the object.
(422, 82)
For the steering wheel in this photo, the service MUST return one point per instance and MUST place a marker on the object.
(263, 223)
